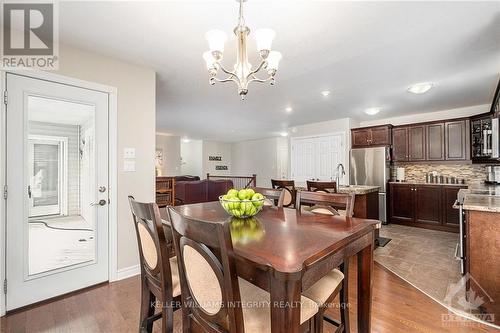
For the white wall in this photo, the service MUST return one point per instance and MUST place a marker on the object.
(342, 125)
(214, 148)
(192, 158)
(171, 147)
(136, 102)
(430, 116)
(258, 157)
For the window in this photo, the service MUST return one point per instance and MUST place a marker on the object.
(47, 175)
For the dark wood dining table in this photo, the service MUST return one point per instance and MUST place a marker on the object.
(285, 252)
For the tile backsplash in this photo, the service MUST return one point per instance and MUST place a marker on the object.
(472, 173)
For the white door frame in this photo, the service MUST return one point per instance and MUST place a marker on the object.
(113, 164)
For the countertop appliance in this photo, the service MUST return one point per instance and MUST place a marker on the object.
(371, 166)
(493, 174)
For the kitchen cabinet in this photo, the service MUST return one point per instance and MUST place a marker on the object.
(401, 203)
(428, 202)
(457, 140)
(424, 205)
(416, 143)
(371, 136)
(400, 144)
(435, 142)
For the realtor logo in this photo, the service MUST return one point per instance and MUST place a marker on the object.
(30, 36)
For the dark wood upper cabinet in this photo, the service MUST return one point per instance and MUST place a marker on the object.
(371, 136)
(428, 202)
(457, 140)
(360, 137)
(381, 135)
(400, 144)
(416, 143)
(435, 142)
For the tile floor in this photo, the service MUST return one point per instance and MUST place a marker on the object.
(426, 259)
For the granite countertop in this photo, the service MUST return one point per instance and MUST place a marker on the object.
(356, 189)
(424, 183)
(481, 197)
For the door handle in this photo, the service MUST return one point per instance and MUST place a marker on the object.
(101, 202)
(29, 191)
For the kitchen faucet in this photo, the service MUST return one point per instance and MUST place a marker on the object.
(340, 166)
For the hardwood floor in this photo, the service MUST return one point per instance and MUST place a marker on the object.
(114, 307)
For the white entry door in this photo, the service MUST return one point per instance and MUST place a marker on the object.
(57, 181)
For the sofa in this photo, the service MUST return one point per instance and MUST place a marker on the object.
(191, 192)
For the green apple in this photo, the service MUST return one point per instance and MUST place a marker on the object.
(250, 193)
(232, 193)
(234, 203)
(242, 194)
(258, 200)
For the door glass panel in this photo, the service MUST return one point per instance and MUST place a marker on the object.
(46, 172)
(61, 185)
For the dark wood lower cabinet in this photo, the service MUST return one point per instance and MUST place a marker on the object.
(402, 204)
(424, 205)
(428, 204)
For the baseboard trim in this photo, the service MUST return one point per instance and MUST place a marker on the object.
(127, 272)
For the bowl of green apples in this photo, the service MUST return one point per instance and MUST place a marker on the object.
(243, 203)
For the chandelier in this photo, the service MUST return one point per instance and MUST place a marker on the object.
(243, 72)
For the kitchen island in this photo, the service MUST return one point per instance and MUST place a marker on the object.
(365, 201)
(482, 246)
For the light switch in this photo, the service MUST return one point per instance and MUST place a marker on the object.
(129, 166)
(128, 152)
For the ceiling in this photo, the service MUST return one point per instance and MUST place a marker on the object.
(56, 111)
(366, 53)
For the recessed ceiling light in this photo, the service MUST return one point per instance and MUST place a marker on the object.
(325, 93)
(288, 109)
(284, 134)
(372, 111)
(420, 88)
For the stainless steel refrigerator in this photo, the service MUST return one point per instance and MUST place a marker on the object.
(371, 166)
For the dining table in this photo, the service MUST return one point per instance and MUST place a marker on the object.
(285, 252)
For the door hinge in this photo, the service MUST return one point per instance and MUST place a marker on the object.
(5, 286)
(5, 192)
(5, 97)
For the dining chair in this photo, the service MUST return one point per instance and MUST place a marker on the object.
(336, 281)
(288, 187)
(274, 197)
(326, 203)
(215, 299)
(318, 186)
(160, 283)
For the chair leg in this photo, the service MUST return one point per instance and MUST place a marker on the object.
(344, 297)
(167, 319)
(147, 310)
(318, 320)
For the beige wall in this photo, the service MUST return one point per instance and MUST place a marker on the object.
(135, 129)
(171, 147)
(215, 148)
(266, 166)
